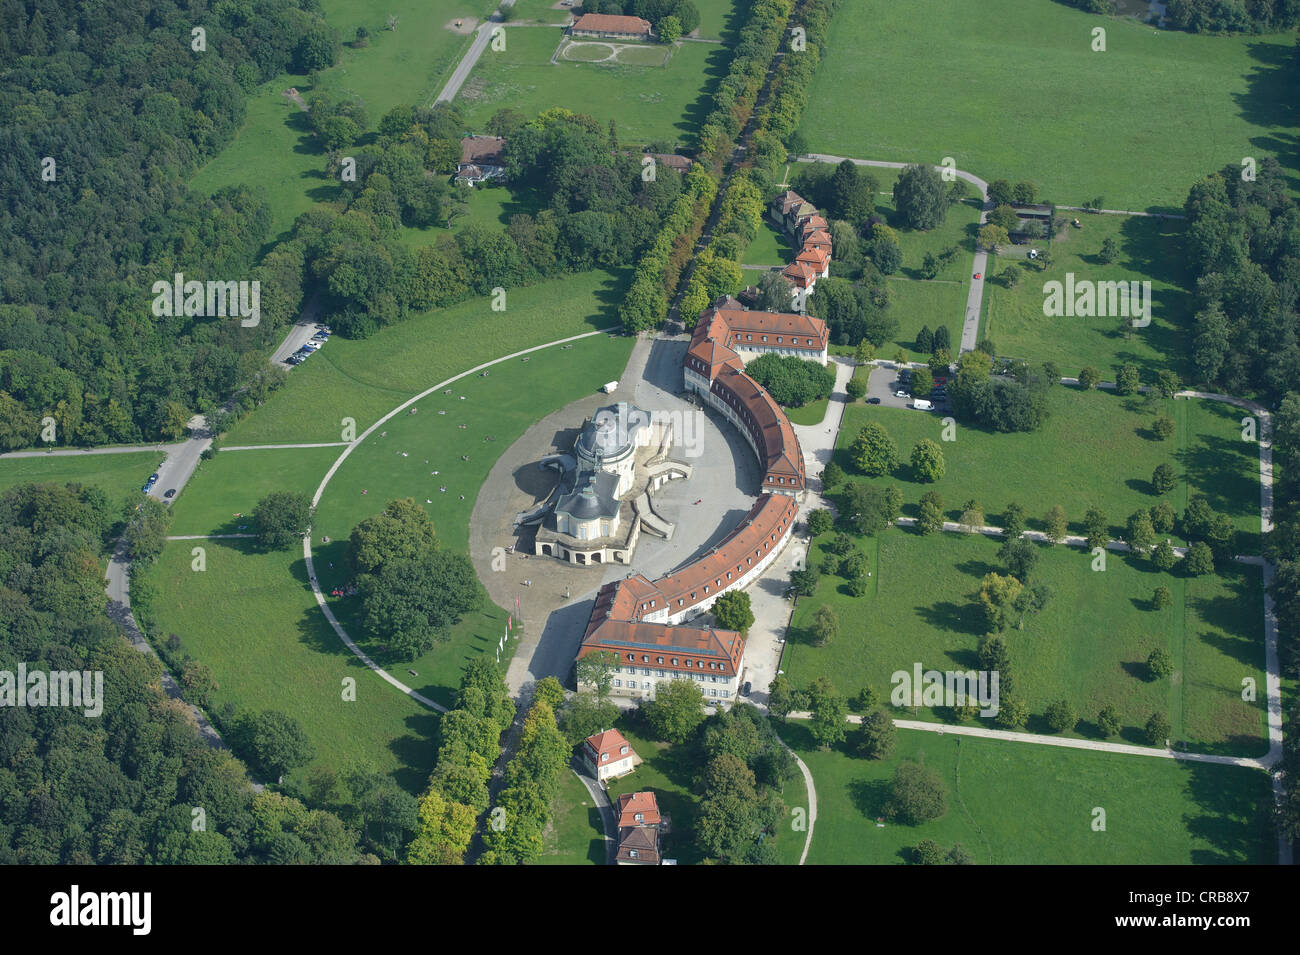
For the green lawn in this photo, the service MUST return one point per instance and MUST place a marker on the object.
(1014, 90)
(1088, 646)
(251, 618)
(120, 475)
(496, 407)
(233, 482)
(1020, 804)
(920, 303)
(365, 379)
(647, 102)
(770, 247)
(1150, 250)
(1094, 449)
(577, 835)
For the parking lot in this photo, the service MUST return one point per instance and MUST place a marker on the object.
(884, 384)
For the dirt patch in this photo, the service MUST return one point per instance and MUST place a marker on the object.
(462, 25)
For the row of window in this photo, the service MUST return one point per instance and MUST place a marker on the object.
(662, 674)
(646, 659)
(632, 685)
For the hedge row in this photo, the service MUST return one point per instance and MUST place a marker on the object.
(660, 268)
(718, 270)
(646, 302)
(523, 810)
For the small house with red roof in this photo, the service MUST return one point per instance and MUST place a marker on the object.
(609, 755)
(639, 827)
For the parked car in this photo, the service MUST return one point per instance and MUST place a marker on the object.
(873, 401)
(744, 690)
(900, 394)
(171, 492)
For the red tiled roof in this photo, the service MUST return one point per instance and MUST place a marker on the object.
(787, 200)
(800, 274)
(818, 238)
(611, 742)
(610, 23)
(813, 256)
(702, 646)
(644, 842)
(629, 804)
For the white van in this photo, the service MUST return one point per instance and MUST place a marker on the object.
(610, 387)
(920, 404)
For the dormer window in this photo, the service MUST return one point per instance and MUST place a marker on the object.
(604, 757)
(622, 751)
(639, 817)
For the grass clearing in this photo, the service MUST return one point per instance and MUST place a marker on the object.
(275, 151)
(1095, 449)
(577, 834)
(647, 102)
(1021, 804)
(1137, 124)
(365, 379)
(251, 618)
(233, 482)
(120, 475)
(1150, 250)
(496, 407)
(1088, 646)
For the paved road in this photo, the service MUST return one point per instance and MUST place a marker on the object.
(975, 295)
(299, 332)
(482, 36)
(607, 817)
(182, 459)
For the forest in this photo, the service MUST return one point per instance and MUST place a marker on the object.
(105, 111)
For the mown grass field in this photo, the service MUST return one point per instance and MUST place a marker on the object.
(1088, 646)
(1096, 448)
(233, 482)
(120, 475)
(251, 618)
(920, 303)
(1150, 250)
(1022, 95)
(577, 835)
(647, 102)
(365, 379)
(1021, 804)
(501, 406)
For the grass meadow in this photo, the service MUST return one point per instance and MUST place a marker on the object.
(1021, 804)
(251, 618)
(1014, 90)
(1095, 449)
(120, 475)
(648, 102)
(1088, 646)
(365, 379)
(1150, 250)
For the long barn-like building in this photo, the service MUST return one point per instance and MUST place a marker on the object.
(639, 620)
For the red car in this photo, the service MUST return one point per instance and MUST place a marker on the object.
(978, 274)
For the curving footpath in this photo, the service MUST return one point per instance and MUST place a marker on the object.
(338, 462)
